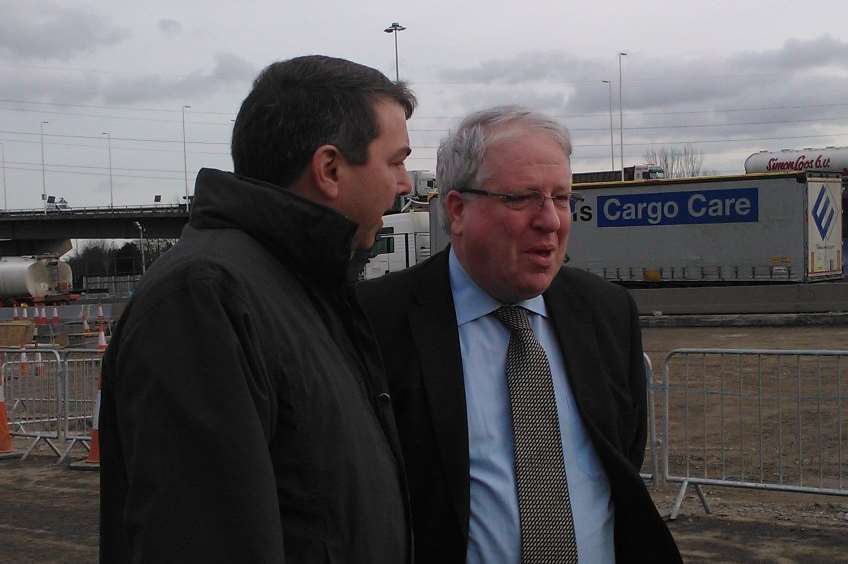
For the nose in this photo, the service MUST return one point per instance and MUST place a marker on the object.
(547, 218)
(404, 185)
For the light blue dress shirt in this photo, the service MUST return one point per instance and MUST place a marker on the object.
(494, 529)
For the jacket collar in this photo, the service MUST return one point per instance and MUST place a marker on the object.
(316, 239)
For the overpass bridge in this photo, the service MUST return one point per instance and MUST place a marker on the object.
(32, 232)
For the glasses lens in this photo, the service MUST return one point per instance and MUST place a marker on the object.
(519, 201)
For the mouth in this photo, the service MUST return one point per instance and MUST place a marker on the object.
(542, 251)
(542, 255)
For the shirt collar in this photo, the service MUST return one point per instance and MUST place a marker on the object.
(471, 302)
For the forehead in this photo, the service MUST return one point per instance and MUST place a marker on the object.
(527, 158)
(391, 117)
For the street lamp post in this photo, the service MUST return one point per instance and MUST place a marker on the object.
(109, 161)
(141, 244)
(3, 153)
(612, 149)
(43, 174)
(621, 115)
(185, 156)
(395, 28)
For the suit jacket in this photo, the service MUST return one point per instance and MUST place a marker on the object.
(597, 326)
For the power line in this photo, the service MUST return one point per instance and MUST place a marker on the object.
(133, 139)
(686, 141)
(101, 116)
(99, 147)
(97, 167)
(104, 173)
(109, 107)
(603, 113)
(682, 126)
(633, 113)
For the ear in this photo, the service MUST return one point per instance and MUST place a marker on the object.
(325, 169)
(455, 206)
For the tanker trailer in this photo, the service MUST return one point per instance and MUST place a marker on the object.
(829, 159)
(34, 279)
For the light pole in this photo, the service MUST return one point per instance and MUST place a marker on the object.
(109, 161)
(141, 243)
(185, 157)
(395, 28)
(43, 174)
(3, 153)
(621, 115)
(612, 149)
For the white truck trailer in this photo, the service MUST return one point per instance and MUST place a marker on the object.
(748, 228)
(403, 241)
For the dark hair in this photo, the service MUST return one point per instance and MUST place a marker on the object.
(298, 105)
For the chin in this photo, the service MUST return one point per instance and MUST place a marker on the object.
(534, 287)
(364, 240)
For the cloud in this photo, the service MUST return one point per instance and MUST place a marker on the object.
(789, 76)
(79, 86)
(229, 69)
(170, 27)
(799, 55)
(35, 30)
(773, 98)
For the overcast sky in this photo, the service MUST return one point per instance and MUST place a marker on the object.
(730, 77)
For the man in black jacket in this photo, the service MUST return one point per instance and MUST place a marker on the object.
(245, 416)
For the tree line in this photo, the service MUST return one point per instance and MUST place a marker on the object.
(105, 258)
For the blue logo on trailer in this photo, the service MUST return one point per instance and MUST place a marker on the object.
(739, 205)
(822, 218)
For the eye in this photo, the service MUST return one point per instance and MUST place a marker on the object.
(562, 200)
(518, 198)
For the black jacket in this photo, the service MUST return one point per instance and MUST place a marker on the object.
(245, 416)
(597, 327)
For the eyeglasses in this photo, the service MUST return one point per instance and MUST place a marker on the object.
(522, 201)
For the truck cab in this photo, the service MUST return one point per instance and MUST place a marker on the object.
(403, 241)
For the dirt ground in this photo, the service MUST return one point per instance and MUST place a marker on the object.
(754, 525)
(49, 513)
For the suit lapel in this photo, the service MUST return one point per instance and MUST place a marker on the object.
(436, 337)
(575, 331)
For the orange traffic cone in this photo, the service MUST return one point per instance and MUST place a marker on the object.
(84, 320)
(101, 339)
(55, 320)
(15, 315)
(24, 314)
(41, 315)
(6, 448)
(92, 462)
(100, 317)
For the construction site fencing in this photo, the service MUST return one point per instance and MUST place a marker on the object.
(652, 448)
(755, 418)
(51, 396)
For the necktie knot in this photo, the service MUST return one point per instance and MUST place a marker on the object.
(513, 318)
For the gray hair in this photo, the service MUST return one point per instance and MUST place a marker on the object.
(461, 158)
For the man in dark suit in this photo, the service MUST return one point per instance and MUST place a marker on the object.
(517, 383)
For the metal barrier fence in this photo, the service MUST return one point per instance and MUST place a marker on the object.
(652, 446)
(51, 395)
(755, 418)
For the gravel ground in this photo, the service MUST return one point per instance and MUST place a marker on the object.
(49, 513)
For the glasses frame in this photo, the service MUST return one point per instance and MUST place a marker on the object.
(510, 200)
